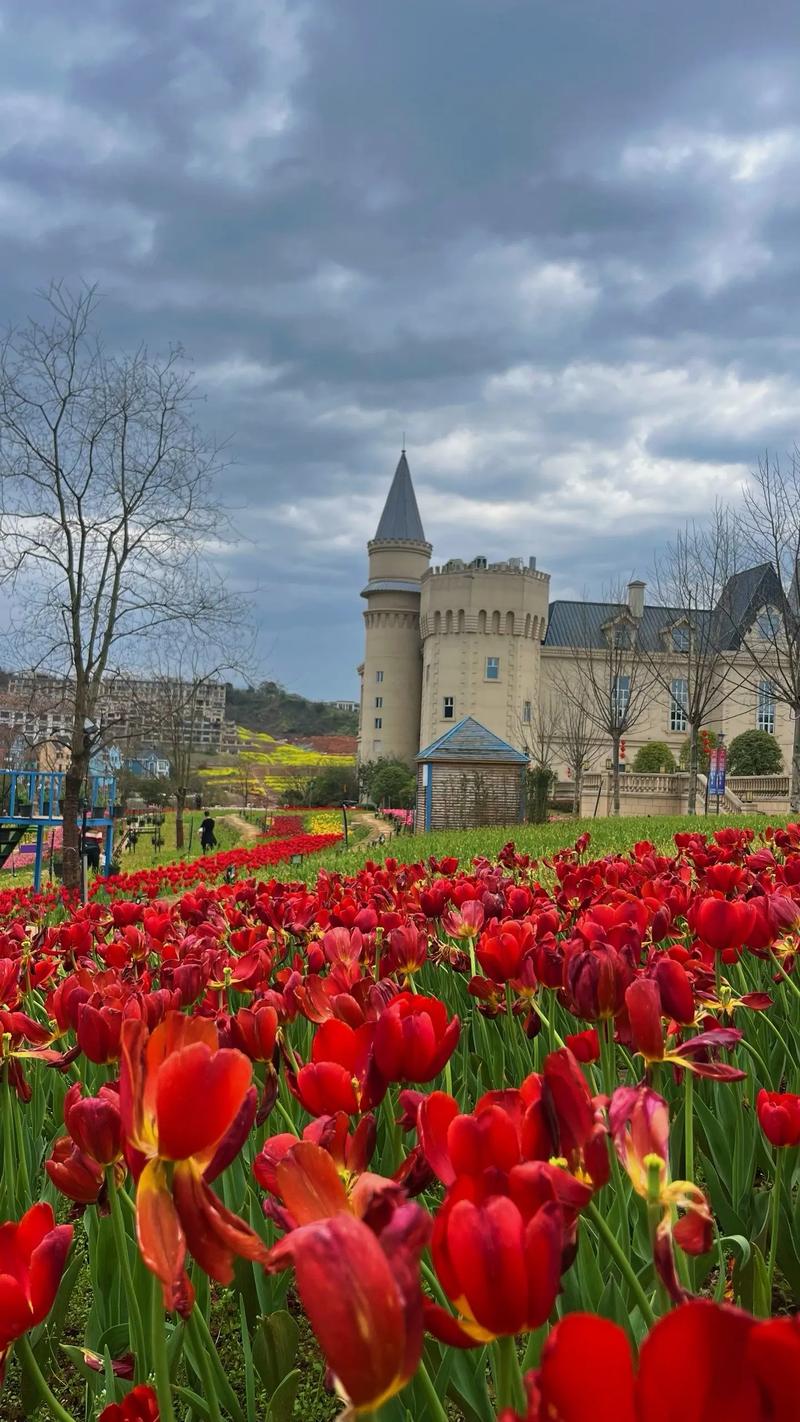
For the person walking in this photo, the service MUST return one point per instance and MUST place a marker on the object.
(207, 837)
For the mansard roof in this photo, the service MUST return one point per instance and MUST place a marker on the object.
(400, 520)
(586, 624)
(469, 740)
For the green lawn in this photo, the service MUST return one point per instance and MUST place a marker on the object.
(607, 837)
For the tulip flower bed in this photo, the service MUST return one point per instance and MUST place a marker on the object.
(511, 1140)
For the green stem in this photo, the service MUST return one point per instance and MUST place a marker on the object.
(26, 1356)
(786, 978)
(775, 1220)
(434, 1408)
(204, 1365)
(204, 1340)
(160, 1360)
(509, 1387)
(688, 1125)
(621, 1259)
(134, 1311)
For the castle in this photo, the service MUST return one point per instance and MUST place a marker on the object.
(483, 640)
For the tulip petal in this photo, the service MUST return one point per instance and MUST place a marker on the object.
(309, 1183)
(198, 1095)
(693, 1367)
(586, 1372)
(158, 1230)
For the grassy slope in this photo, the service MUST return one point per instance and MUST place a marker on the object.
(607, 837)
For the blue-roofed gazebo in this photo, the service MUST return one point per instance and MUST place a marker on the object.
(469, 776)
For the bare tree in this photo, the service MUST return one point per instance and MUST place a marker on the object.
(768, 628)
(612, 683)
(106, 510)
(691, 659)
(538, 736)
(578, 739)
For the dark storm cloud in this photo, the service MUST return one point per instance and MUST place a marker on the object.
(556, 244)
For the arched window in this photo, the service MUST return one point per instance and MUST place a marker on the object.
(528, 625)
(496, 622)
(509, 624)
(437, 622)
(481, 621)
(448, 622)
(462, 620)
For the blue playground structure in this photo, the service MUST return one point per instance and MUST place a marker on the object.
(31, 799)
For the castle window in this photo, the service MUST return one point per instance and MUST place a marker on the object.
(427, 673)
(677, 709)
(765, 708)
(621, 695)
(378, 702)
(526, 712)
(492, 668)
(449, 708)
(378, 722)
(379, 676)
(680, 641)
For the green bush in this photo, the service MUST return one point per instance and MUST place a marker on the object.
(654, 758)
(389, 782)
(754, 753)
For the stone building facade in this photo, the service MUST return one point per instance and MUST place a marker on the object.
(480, 639)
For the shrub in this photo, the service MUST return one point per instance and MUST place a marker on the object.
(654, 757)
(754, 753)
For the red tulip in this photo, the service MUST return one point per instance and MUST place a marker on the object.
(140, 1405)
(253, 1032)
(94, 1123)
(33, 1253)
(182, 1099)
(704, 1362)
(585, 1046)
(362, 1295)
(675, 988)
(779, 1117)
(498, 1257)
(503, 948)
(595, 980)
(722, 923)
(75, 1174)
(341, 1075)
(413, 1038)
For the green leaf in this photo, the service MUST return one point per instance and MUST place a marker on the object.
(281, 1404)
(275, 1348)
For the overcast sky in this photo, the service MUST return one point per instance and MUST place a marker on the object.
(556, 243)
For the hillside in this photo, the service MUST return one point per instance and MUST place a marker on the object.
(270, 707)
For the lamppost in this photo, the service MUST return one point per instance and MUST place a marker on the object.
(344, 822)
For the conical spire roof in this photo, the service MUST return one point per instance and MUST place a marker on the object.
(400, 519)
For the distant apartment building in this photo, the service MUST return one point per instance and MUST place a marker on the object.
(129, 710)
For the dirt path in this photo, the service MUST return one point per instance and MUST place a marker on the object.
(376, 829)
(243, 827)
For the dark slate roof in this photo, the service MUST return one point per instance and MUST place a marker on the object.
(469, 740)
(400, 519)
(581, 624)
(742, 599)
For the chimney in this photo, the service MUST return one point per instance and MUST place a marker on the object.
(532, 565)
(636, 598)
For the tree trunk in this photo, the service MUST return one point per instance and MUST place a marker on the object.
(71, 810)
(577, 794)
(615, 805)
(691, 803)
(794, 789)
(180, 806)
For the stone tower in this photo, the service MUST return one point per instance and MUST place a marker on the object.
(391, 675)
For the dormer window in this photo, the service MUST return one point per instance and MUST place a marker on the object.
(768, 623)
(679, 638)
(619, 633)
